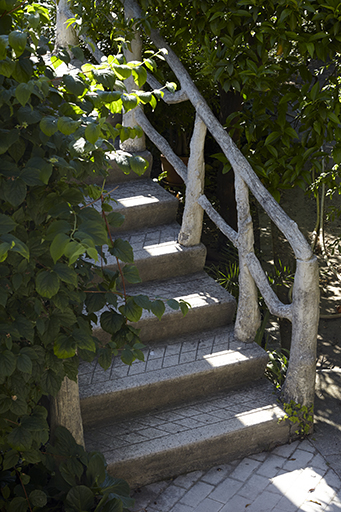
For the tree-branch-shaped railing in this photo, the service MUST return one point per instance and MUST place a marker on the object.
(303, 312)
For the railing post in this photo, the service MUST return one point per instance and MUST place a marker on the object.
(190, 233)
(300, 380)
(248, 315)
(65, 36)
(138, 144)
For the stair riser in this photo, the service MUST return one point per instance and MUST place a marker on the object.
(148, 397)
(166, 266)
(201, 455)
(139, 217)
(173, 323)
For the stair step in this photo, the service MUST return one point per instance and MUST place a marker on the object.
(211, 306)
(143, 203)
(196, 435)
(158, 255)
(173, 371)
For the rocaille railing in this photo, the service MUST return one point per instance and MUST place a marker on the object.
(303, 312)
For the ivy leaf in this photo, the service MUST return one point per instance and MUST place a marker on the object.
(18, 40)
(140, 75)
(143, 301)
(8, 363)
(79, 498)
(7, 224)
(139, 165)
(111, 321)
(122, 71)
(131, 274)
(14, 191)
(51, 382)
(115, 219)
(38, 498)
(104, 357)
(172, 303)
(158, 308)
(66, 274)
(49, 125)
(18, 504)
(95, 301)
(23, 93)
(67, 125)
(24, 363)
(131, 310)
(122, 250)
(74, 84)
(47, 283)
(16, 245)
(92, 132)
(129, 101)
(20, 438)
(58, 246)
(64, 347)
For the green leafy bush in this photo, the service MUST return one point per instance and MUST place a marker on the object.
(54, 136)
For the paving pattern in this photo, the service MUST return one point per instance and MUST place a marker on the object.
(290, 478)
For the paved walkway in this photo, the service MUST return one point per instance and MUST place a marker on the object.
(290, 478)
(302, 476)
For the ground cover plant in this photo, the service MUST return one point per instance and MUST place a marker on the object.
(54, 137)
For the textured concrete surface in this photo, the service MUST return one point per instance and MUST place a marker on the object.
(290, 478)
(158, 255)
(178, 369)
(211, 306)
(196, 434)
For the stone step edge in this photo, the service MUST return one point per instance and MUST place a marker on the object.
(218, 310)
(246, 432)
(122, 397)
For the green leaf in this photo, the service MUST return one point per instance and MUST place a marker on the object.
(49, 125)
(95, 472)
(95, 301)
(38, 498)
(174, 304)
(158, 308)
(24, 363)
(139, 165)
(111, 321)
(122, 71)
(115, 219)
(140, 75)
(7, 224)
(47, 283)
(14, 191)
(64, 347)
(104, 357)
(67, 125)
(18, 40)
(92, 132)
(51, 382)
(23, 93)
(7, 67)
(143, 301)
(58, 246)
(122, 250)
(73, 250)
(74, 84)
(127, 356)
(131, 310)
(272, 138)
(79, 498)
(129, 101)
(10, 460)
(131, 274)
(18, 504)
(66, 274)
(8, 363)
(20, 438)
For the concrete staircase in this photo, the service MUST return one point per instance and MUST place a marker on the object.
(199, 398)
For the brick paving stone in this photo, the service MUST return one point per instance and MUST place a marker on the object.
(209, 505)
(196, 494)
(180, 507)
(166, 500)
(186, 481)
(225, 490)
(286, 450)
(215, 475)
(244, 469)
(265, 502)
(299, 459)
(271, 465)
(253, 486)
(236, 504)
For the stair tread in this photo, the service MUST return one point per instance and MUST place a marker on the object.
(157, 435)
(169, 359)
(144, 192)
(153, 242)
